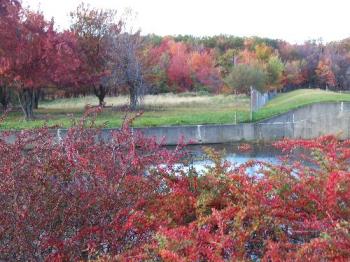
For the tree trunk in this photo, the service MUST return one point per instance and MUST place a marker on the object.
(26, 99)
(4, 97)
(36, 96)
(100, 92)
(133, 98)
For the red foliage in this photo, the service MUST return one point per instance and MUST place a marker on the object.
(179, 71)
(244, 147)
(94, 29)
(78, 196)
(62, 61)
(184, 67)
(81, 197)
(325, 73)
(294, 211)
(293, 73)
(203, 68)
(34, 55)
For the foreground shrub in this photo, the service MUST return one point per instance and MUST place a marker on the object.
(296, 211)
(81, 198)
(78, 197)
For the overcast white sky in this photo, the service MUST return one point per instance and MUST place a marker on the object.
(291, 20)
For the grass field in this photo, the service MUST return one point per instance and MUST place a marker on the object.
(170, 109)
(160, 110)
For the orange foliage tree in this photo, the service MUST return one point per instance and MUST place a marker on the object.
(325, 73)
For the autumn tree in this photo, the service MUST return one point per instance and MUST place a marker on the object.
(171, 66)
(287, 51)
(204, 71)
(186, 68)
(128, 69)
(263, 52)
(293, 73)
(95, 29)
(9, 15)
(179, 71)
(22, 65)
(311, 53)
(339, 55)
(157, 61)
(247, 57)
(34, 55)
(325, 73)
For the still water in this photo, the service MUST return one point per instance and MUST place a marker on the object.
(231, 153)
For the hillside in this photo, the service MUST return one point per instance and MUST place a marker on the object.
(292, 100)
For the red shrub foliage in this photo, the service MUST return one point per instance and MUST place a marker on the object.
(295, 211)
(80, 197)
(244, 148)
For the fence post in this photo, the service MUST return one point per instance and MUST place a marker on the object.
(251, 103)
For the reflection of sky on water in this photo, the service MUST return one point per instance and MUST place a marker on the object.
(234, 160)
(202, 165)
(260, 152)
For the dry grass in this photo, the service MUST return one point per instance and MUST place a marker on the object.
(149, 101)
(158, 110)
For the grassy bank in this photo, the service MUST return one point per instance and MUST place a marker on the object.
(170, 109)
(302, 97)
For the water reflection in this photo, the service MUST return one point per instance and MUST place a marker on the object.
(259, 151)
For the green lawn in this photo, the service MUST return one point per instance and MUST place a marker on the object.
(160, 110)
(170, 109)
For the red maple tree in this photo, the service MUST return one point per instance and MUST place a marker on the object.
(34, 55)
(96, 29)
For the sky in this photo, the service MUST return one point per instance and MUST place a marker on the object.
(292, 20)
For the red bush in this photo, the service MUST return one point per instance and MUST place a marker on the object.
(83, 198)
(295, 211)
(78, 197)
(243, 148)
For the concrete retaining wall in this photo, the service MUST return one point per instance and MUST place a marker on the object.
(306, 122)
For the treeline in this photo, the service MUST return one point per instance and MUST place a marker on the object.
(98, 54)
(261, 62)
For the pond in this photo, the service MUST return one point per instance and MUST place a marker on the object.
(232, 153)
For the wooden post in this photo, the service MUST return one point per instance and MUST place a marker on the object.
(235, 102)
(251, 103)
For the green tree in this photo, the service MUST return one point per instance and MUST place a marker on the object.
(242, 77)
(226, 61)
(274, 70)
